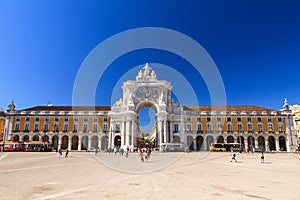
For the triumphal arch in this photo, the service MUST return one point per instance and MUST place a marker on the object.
(144, 91)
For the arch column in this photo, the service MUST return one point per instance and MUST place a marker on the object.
(159, 134)
(99, 143)
(171, 132)
(194, 144)
(277, 144)
(165, 131)
(89, 143)
(127, 133)
(70, 143)
(256, 142)
(122, 132)
(246, 143)
(59, 142)
(132, 135)
(79, 143)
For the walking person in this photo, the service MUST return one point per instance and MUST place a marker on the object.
(59, 153)
(67, 153)
(141, 154)
(262, 157)
(232, 155)
(127, 152)
(96, 151)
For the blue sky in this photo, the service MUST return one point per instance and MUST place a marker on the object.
(254, 44)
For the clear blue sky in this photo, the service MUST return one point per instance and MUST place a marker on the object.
(255, 45)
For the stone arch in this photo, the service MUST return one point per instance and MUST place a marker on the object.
(251, 142)
(104, 143)
(220, 139)
(271, 143)
(25, 138)
(35, 138)
(209, 141)
(45, 138)
(199, 143)
(84, 142)
(230, 139)
(16, 138)
(117, 141)
(240, 139)
(64, 142)
(176, 139)
(261, 143)
(146, 104)
(74, 140)
(94, 141)
(282, 143)
(190, 142)
(55, 142)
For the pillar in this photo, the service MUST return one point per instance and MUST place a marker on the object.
(99, 143)
(132, 136)
(194, 144)
(89, 143)
(59, 142)
(277, 144)
(127, 133)
(171, 132)
(165, 131)
(70, 143)
(122, 132)
(79, 143)
(159, 134)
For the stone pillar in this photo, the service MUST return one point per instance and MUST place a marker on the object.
(99, 143)
(89, 143)
(159, 134)
(123, 132)
(246, 144)
(59, 142)
(127, 133)
(132, 136)
(256, 143)
(79, 143)
(70, 143)
(165, 131)
(171, 132)
(194, 144)
(277, 144)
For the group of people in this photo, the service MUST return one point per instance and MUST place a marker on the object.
(59, 153)
(145, 153)
(233, 156)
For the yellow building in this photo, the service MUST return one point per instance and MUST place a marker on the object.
(104, 127)
(296, 113)
(2, 124)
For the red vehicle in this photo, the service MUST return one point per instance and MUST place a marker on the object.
(11, 146)
(37, 146)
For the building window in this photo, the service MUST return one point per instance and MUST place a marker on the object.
(37, 119)
(208, 119)
(260, 128)
(280, 128)
(229, 128)
(249, 120)
(209, 128)
(198, 119)
(36, 127)
(95, 128)
(76, 119)
(75, 128)
(219, 127)
(17, 127)
(279, 119)
(239, 119)
(18, 119)
(26, 128)
(259, 119)
(46, 127)
(105, 119)
(228, 119)
(55, 127)
(95, 119)
(104, 127)
(175, 128)
(199, 128)
(65, 127)
(117, 128)
(240, 128)
(188, 119)
(250, 128)
(47, 119)
(56, 119)
(189, 127)
(85, 127)
(270, 127)
(66, 119)
(27, 119)
(85, 119)
(269, 119)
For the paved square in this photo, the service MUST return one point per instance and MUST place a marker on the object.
(83, 175)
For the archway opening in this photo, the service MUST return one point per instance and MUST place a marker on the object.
(16, 138)
(282, 143)
(35, 138)
(261, 143)
(26, 138)
(251, 143)
(220, 139)
(199, 143)
(84, 142)
(55, 142)
(94, 141)
(190, 142)
(117, 141)
(147, 127)
(74, 145)
(64, 142)
(104, 143)
(209, 141)
(272, 145)
(230, 139)
(45, 138)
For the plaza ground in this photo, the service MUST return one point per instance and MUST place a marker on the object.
(40, 175)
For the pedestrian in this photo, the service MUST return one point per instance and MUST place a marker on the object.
(115, 150)
(262, 157)
(141, 154)
(59, 153)
(122, 151)
(67, 153)
(127, 152)
(96, 151)
(232, 155)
